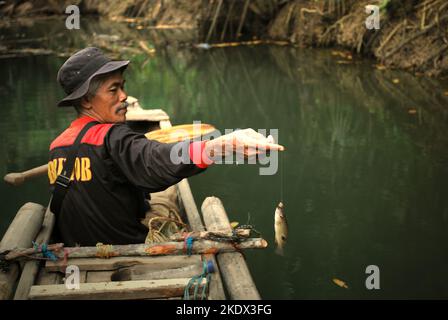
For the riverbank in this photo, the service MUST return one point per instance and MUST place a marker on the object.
(411, 37)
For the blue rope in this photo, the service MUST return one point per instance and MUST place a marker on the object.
(45, 252)
(189, 242)
(207, 268)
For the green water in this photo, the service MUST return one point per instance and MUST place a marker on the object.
(365, 180)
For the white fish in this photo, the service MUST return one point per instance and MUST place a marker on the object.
(281, 228)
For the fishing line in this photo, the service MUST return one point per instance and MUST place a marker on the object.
(281, 176)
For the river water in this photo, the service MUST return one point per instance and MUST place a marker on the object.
(364, 177)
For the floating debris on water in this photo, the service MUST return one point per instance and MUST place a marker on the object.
(340, 283)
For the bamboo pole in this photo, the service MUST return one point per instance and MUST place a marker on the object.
(21, 232)
(244, 233)
(234, 269)
(31, 252)
(194, 220)
(154, 249)
(31, 268)
(17, 178)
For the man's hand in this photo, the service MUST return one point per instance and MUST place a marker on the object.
(247, 143)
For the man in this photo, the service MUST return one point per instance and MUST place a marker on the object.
(114, 167)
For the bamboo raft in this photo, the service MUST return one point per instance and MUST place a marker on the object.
(141, 271)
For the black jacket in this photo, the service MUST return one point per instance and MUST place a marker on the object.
(115, 167)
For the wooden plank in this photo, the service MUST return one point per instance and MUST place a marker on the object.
(142, 273)
(141, 289)
(236, 275)
(151, 263)
(21, 232)
(99, 276)
(82, 276)
(46, 278)
(31, 268)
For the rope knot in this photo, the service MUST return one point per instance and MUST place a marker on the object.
(43, 248)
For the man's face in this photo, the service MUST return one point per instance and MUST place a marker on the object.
(107, 104)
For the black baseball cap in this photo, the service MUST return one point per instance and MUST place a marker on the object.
(76, 73)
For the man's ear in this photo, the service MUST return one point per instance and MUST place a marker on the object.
(85, 103)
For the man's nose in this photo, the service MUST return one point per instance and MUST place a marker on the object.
(123, 95)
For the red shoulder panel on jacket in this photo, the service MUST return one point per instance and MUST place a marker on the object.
(95, 135)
